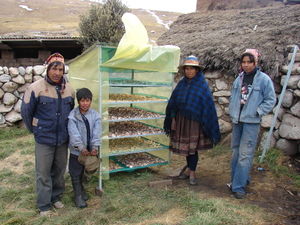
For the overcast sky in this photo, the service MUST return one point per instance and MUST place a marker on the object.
(185, 6)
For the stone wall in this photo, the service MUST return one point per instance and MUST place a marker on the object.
(13, 83)
(286, 136)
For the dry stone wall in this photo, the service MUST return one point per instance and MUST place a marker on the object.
(13, 83)
(286, 136)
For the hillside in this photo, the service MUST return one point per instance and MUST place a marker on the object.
(45, 18)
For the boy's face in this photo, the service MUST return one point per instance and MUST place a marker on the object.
(84, 104)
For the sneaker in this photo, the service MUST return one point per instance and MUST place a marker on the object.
(46, 213)
(229, 185)
(183, 176)
(193, 181)
(58, 205)
(239, 195)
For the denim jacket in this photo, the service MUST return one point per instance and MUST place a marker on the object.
(78, 133)
(260, 102)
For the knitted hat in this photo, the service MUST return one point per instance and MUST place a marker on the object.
(253, 52)
(191, 61)
(56, 57)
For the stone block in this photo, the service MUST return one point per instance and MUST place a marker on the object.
(4, 78)
(9, 99)
(9, 87)
(295, 110)
(222, 94)
(292, 82)
(225, 127)
(13, 71)
(288, 147)
(13, 117)
(287, 99)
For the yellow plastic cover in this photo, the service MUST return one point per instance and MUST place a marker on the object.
(135, 52)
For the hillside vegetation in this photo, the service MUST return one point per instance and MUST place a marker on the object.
(61, 18)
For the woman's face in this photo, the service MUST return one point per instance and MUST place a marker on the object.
(190, 71)
(247, 65)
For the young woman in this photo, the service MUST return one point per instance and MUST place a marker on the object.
(252, 96)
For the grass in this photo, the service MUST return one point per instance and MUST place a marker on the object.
(273, 161)
(127, 199)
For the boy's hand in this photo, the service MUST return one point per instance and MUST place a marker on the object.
(85, 152)
(94, 152)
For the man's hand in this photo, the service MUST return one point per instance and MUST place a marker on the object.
(94, 152)
(85, 152)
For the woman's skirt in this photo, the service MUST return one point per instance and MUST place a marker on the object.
(187, 136)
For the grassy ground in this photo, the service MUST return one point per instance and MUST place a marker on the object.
(127, 199)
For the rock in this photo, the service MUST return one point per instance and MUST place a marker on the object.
(1, 93)
(28, 78)
(13, 71)
(264, 139)
(224, 126)
(223, 100)
(2, 119)
(1, 70)
(16, 93)
(38, 70)
(35, 78)
(288, 147)
(44, 73)
(290, 127)
(226, 110)
(21, 95)
(297, 58)
(9, 99)
(296, 109)
(29, 70)
(9, 87)
(1, 84)
(22, 70)
(266, 121)
(17, 106)
(297, 93)
(18, 79)
(221, 85)
(281, 112)
(222, 93)
(219, 110)
(213, 75)
(5, 78)
(284, 69)
(5, 109)
(23, 88)
(276, 134)
(287, 99)
(5, 69)
(13, 117)
(292, 82)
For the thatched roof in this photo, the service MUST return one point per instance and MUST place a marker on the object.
(218, 38)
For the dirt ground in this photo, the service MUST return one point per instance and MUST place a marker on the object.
(275, 195)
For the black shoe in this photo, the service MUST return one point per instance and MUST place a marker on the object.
(239, 195)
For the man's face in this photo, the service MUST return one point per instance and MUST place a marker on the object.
(248, 66)
(190, 71)
(84, 104)
(56, 72)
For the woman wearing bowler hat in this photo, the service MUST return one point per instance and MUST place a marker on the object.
(191, 119)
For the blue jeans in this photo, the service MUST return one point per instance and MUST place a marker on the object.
(243, 143)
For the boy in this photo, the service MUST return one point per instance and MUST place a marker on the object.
(84, 131)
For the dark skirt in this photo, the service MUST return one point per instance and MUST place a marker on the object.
(187, 136)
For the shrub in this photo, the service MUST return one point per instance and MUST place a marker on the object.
(103, 23)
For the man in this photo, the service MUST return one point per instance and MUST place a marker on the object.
(45, 109)
(252, 96)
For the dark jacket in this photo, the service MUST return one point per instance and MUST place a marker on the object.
(45, 111)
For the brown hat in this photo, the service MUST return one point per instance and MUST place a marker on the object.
(56, 57)
(90, 163)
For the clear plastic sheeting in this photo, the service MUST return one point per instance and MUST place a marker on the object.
(135, 52)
